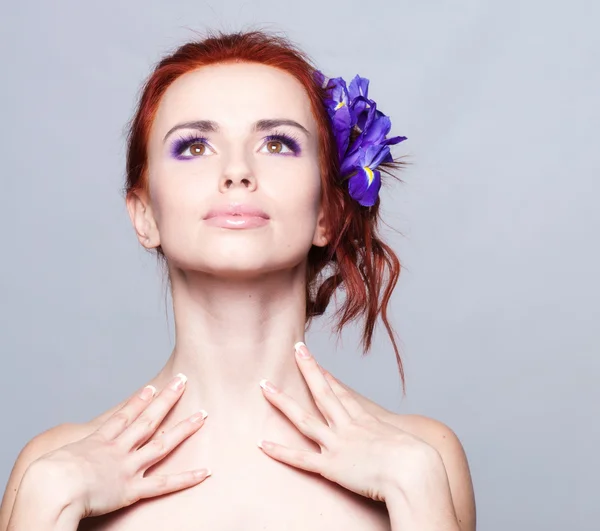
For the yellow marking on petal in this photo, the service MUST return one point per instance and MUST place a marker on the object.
(339, 105)
(370, 174)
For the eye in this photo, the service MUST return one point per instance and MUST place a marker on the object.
(276, 146)
(199, 148)
(196, 148)
(191, 146)
(281, 144)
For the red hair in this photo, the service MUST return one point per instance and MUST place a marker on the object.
(357, 258)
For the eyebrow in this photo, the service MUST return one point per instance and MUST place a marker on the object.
(208, 126)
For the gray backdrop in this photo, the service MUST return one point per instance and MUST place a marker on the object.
(498, 305)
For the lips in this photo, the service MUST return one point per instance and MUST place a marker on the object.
(237, 216)
(237, 209)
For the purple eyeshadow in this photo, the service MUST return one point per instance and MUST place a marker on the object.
(287, 140)
(182, 143)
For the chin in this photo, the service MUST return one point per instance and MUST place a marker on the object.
(238, 257)
(251, 266)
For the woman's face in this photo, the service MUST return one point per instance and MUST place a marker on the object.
(254, 146)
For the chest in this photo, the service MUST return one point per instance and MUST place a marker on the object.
(251, 500)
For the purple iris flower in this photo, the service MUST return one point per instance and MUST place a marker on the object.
(349, 109)
(358, 92)
(359, 86)
(365, 184)
(340, 113)
(376, 127)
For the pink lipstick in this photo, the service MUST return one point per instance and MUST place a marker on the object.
(236, 216)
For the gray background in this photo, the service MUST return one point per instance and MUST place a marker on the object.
(498, 305)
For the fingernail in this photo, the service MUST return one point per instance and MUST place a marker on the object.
(301, 350)
(179, 381)
(265, 445)
(199, 417)
(148, 392)
(205, 472)
(268, 386)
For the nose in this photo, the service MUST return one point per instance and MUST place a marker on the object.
(237, 173)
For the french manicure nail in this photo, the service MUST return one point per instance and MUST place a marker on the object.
(179, 381)
(199, 417)
(148, 392)
(204, 472)
(268, 386)
(301, 350)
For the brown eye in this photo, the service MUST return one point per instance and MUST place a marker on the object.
(274, 146)
(197, 149)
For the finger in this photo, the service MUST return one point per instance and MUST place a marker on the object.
(143, 427)
(353, 406)
(303, 459)
(325, 399)
(152, 452)
(306, 423)
(123, 417)
(152, 486)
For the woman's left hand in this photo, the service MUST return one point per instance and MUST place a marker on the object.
(360, 452)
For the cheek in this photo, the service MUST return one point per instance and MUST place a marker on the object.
(177, 212)
(297, 183)
(178, 193)
(296, 204)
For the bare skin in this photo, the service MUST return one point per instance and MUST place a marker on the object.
(247, 482)
(239, 307)
(247, 490)
(265, 494)
(238, 299)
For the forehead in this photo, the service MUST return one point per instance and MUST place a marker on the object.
(235, 95)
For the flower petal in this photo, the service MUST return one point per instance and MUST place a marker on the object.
(377, 128)
(364, 186)
(339, 92)
(342, 124)
(393, 140)
(367, 115)
(359, 86)
(360, 109)
(375, 155)
(374, 125)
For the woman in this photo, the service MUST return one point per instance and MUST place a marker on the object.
(244, 174)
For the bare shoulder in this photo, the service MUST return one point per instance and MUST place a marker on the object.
(439, 436)
(38, 446)
(43, 443)
(433, 432)
(445, 441)
(448, 445)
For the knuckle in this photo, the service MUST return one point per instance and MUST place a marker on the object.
(359, 422)
(99, 437)
(147, 422)
(326, 390)
(305, 419)
(325, 395)
(301, 457)
(114, 447)
(160, 482)
(304, 460)
(158, 446)
(132, 497)
(122, 418)
(340, 391)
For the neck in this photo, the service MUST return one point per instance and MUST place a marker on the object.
(230, 334)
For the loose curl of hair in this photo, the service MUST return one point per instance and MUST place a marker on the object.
(356, 260)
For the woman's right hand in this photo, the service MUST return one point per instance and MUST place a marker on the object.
(105, 471)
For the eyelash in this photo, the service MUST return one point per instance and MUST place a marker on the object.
(185, 141)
